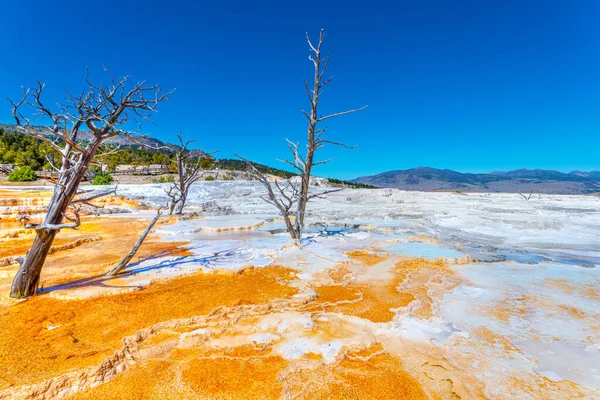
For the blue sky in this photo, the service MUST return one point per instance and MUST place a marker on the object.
(468, 85)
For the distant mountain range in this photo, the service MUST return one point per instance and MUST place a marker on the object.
(425, 178)
(521, 180)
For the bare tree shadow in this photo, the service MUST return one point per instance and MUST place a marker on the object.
(140, 267)
(193, 262)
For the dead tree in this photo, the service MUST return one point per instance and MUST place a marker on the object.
(125, 260)
(526, 197)
(283, 196)
(103, 110)
(290, 198)
(188, 172)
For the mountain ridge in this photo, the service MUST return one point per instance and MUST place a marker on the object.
(519, 180)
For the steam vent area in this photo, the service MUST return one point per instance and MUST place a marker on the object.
(390, 295)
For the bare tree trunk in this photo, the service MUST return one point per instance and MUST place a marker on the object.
(27, 279)
(188, 172)
(181, 170)
(101, 109)
(135, 248)
(292, 229)
(311, 147)
(171, 208)
(299, 197)
(314, 140)
(180, 205)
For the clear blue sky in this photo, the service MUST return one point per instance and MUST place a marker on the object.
(467, 85)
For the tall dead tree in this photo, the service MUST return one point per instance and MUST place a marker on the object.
(189, 167)
(291, 198)
(104, 110)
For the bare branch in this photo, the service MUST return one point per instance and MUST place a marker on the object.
(125, 260)
(309, 94)
(15, 107)
(310, 43)
(75, 222)
(110, 152)
(130, 136)
(188, 172)
(31, 132)
(51, 163)
(322, 161)
(321, 119)
(526, 197)
(321, 142)
(323, 194)
(112, 191)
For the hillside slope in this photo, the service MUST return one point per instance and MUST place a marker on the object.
(87, 135)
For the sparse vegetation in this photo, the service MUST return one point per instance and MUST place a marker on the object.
(135, 155)
(349, 184)
(23, 174)
(209, 178)
(240, 165)
(102, 179)
(164, 179)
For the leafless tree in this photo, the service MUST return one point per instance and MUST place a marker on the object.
(526, 197)
(189, 167)
(291, 198)
(284, 196)
(105, 110)
(125, 260)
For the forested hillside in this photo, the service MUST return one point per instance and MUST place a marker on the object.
(22, 150)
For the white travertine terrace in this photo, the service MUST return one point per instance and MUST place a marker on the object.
(527, 272)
